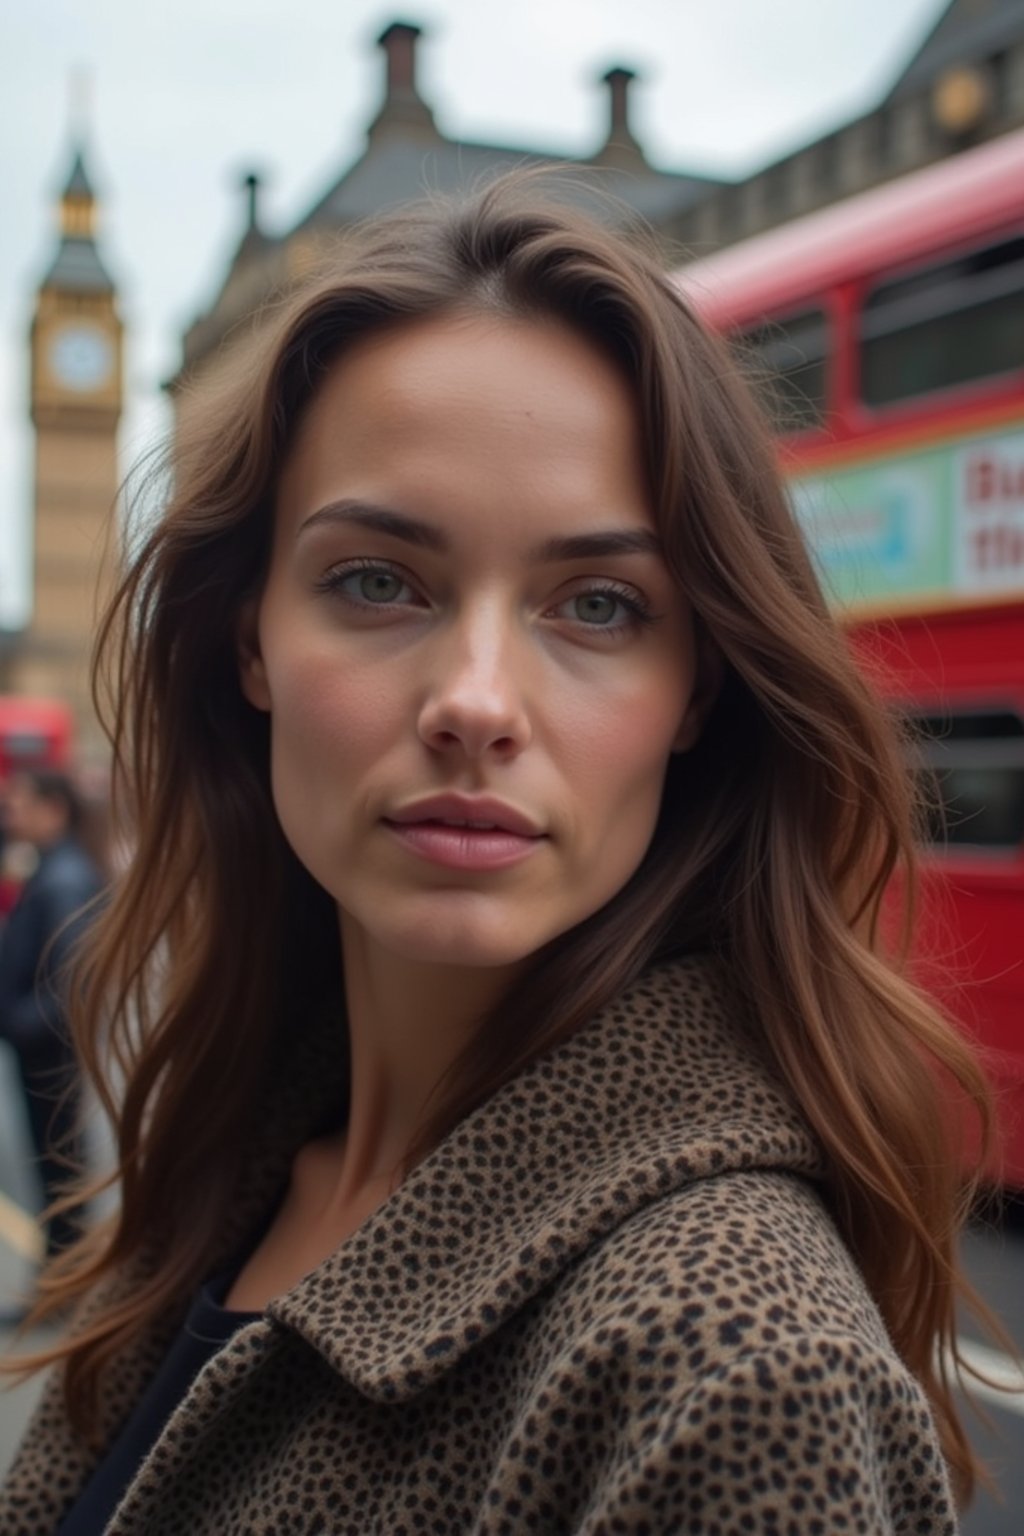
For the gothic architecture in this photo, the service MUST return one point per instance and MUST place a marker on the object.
(76, 393)
(405, 156)
(964, 84)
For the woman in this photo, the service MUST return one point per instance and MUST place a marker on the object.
(521, 1109)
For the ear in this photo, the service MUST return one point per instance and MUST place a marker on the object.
(706, 688)
(252, 674)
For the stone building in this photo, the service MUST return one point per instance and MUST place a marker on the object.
(964, 84)
(406, 154)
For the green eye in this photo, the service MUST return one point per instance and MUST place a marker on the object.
(379, 586)
(367, 584)
(596, 607)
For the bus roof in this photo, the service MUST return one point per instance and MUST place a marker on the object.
(960, 198)
(26, 710)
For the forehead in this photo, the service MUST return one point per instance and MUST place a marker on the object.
(521, 406)
(518, 362)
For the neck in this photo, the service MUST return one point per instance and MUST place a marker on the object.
(408, 1022)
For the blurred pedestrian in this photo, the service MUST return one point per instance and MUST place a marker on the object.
(42, 808)
(525, 1127)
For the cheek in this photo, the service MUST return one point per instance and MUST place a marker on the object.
(614, 764)
(329, 731)
(617, 749)
(329, 722)
(325, 710)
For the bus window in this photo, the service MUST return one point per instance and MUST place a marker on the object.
(973, 763)
(27, 748)
(785, 362)
(34, 733)
(955, 323)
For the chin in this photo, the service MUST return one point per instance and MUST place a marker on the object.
(464, 950)
(468, 934)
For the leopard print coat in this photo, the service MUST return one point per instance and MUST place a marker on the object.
(612, 1300)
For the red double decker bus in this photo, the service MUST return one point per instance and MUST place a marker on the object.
(888, 335)
(34, 733)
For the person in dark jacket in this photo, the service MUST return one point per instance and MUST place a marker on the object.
(43, 808)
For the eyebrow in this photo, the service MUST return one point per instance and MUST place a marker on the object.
(398, 525)
(379, 520)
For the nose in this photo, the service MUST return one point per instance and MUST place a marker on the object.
(476, 698)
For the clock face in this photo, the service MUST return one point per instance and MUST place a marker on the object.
(81, 356)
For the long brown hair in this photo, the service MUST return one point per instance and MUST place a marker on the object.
(779, 832)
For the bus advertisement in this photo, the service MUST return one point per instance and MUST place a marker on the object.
(887, 335)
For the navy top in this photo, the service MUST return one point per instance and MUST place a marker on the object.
(206, 1329)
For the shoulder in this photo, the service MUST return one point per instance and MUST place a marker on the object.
(821, 1433)
(722, 1348)
(54, 1461)
(68, 875)
(26, 925)
(729, 1264)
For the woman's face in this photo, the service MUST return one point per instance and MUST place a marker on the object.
(475, 661)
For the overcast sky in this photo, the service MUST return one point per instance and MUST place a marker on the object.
(185, 96)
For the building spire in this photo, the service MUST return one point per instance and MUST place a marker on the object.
(77, 265)
(78, 201)
(80, 95)
(253, 239)
(251, 184)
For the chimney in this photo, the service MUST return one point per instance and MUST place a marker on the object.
(621, 143)
(253, 239)
(251, 183)
(403, 106)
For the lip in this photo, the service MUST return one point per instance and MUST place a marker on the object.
(434, 829)
(466, 808)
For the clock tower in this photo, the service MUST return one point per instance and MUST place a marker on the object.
(76, 389)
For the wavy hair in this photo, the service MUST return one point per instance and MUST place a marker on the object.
(778, 838)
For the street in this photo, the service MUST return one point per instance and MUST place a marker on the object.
(995, 1263)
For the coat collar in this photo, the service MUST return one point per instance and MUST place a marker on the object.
(662, 1088)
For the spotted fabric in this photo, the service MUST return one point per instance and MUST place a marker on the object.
(612, 1300)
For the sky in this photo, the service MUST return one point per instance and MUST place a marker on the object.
(178, 100)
